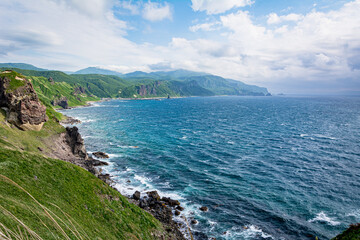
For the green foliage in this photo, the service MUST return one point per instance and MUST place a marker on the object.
(352, 233)
(175, 83)
(103, 85)
(14, 138)
(49, 90)
(49, 196)
(15, 80)
(189, 88)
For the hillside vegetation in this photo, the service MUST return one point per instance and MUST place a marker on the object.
(43, 198)
(179, 83)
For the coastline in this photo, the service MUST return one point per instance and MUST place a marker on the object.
(162, 207)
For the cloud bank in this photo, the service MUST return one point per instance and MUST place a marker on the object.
(216, 6)
(312, 52)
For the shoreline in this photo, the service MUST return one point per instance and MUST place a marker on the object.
(150, 201)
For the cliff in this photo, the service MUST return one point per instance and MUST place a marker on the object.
(20, 101)
(49, 187)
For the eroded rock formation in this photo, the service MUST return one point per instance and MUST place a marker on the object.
(20, 101)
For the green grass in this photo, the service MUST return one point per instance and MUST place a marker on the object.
(352, 233)
(78, 203)
(14, 138)
(14, 83)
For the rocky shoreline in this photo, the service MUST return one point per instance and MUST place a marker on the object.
(69, 146)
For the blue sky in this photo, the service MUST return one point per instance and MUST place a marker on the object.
(291, 46)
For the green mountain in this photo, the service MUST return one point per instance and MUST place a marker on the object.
(143, 85)
(21, 66)
(96, 70)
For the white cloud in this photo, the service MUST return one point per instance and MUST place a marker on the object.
(134, 8)
(53, 35)
(205, 27)
(273, 18)
(320, 49)
(93, 8)
(154, 11)
(216, 6)
(317, 51)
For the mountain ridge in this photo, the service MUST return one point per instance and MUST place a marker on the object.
(138, 84)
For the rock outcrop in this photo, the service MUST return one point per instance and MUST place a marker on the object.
(100, 155)
(20, 101)
(149, 89)
(79, 90)
(76, 142)
(61, 101)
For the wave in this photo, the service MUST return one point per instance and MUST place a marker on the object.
(323, 218)
(124, 146)
(247, 232)
(319, 136)
(355, 214)
(113, 155)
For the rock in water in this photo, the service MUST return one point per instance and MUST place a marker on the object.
(100, 155)
(204, 209)
(76, 142)
(18, 96)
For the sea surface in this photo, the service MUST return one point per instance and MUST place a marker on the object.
(267, 167)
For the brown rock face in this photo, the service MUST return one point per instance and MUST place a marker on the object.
(62, 102)
(22, 104)
(149, 89)
(76, 142)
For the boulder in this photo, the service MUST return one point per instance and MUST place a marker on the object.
(154, 195)
(105, 178)
(180, 208)
(18, 96)
(204, 209)
(171, 202)
(97, 163)
(143, 203)
(193, 221)
(177, 213)
(136, 195)
(100, 155)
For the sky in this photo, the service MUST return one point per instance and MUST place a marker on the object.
(288, 46)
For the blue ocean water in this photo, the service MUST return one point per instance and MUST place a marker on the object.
(267, 167)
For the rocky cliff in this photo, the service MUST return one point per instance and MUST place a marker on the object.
(20, 101)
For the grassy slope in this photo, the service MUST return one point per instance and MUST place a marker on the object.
(80, 206)
(48, 91)
(13, 138)
(83, 202)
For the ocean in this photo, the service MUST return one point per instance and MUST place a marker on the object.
(266, 167)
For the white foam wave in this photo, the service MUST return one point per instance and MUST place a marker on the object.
(322, 217)
(113, 155)
(231, 142)
(123, 146)
(321, 136)
(324, 136)
(247, 232)
(355, 214)
(143, 180)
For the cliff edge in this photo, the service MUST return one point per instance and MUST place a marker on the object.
(20, 101)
